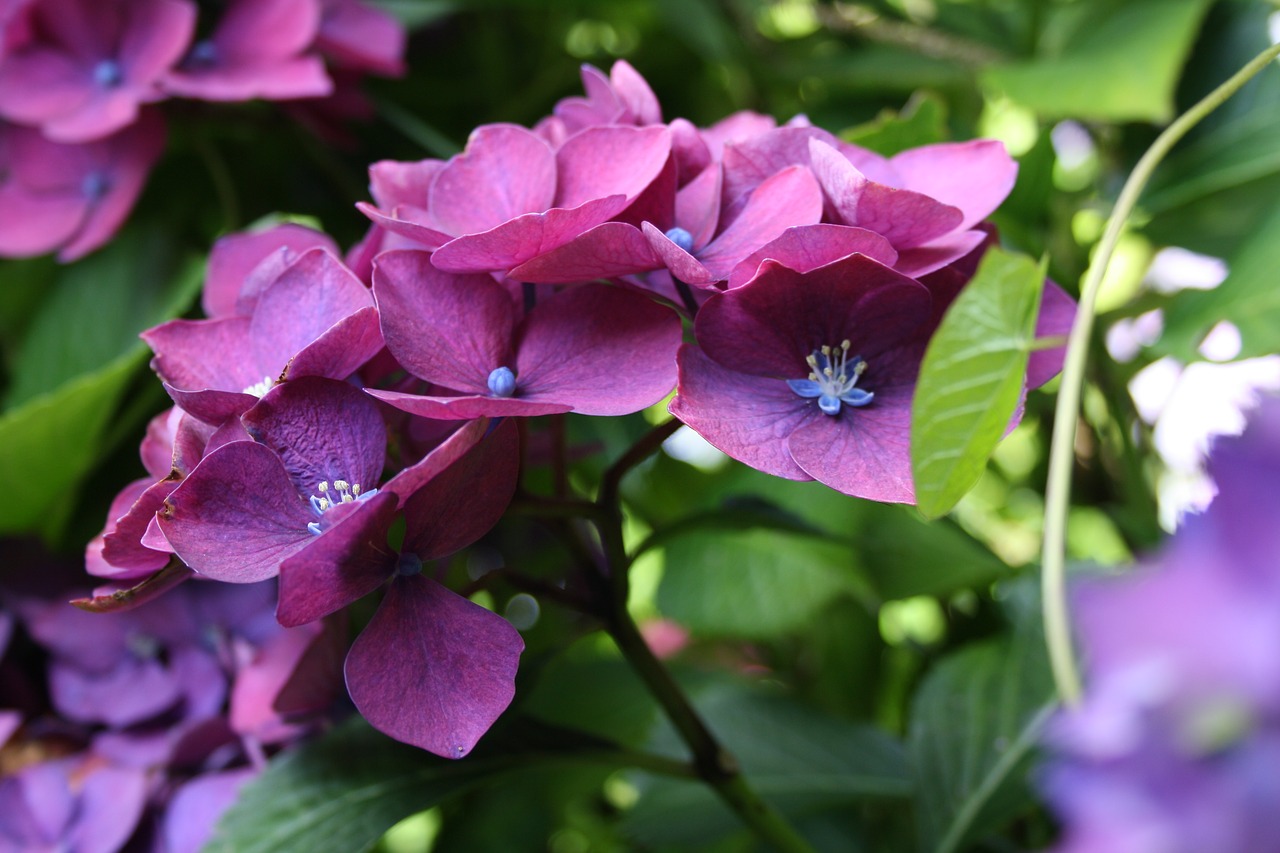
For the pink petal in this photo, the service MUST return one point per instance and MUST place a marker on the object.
(683, 266)
(601, 349)
(451, 330)
(260, 254)
(791, 197)
(1057, 313)
(432, 669)
(698, 205)
(922, 260)
(608, 250)
(807, 247)
(974, 176)
(607, 161)
(634, 92)
(407, 222)
(465, 408)
(505, 171)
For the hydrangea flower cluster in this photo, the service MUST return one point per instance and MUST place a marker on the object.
(1176, 743)
(78, 134)
(154, 718)
(342, 421)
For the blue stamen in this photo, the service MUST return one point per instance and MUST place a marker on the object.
(833, 377)
(502, 382)
(108, 74)
(681, 238)
(95, 185)
(408, 565)
(202, 55)
(341, 492)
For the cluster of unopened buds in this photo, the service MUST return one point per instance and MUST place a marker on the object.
(342, 420)
(78, 134)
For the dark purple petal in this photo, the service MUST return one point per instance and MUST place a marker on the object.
(122, 547)
(771, 325)
(345, 563)
(237, 516)
(466, 499)
(432, 669)
(448, 329)
(864, 452)
(748, 417)
(601, 349)
(807, 247)
(505, 171)
(323, 430)
(444, 454)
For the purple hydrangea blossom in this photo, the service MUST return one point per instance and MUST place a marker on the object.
(77, 805)
(258, 49)
(810, 375)
(71, 198)
(1175, 745)
(89, 65)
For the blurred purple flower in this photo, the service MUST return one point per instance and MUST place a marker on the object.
(71, 198)
(1176, 744)
(72, 805)
(89, 65)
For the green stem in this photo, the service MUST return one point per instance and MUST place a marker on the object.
(1056, 621)
(714, 764)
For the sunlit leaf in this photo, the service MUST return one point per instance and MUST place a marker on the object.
(971, 378)
(1120, 61)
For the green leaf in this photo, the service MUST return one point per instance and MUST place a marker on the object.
(341, 793)
(971, 378)
(923, 121)
(752, 584)
(800, 760)
(1120, 61)
(74, 365)
(1248, 298)
(974, 721)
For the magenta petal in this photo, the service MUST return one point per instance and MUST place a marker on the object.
(406, 222)
(807, 247)
(604, 350)
(194, 809)
(1057, 313)
(393, 183)
(468, 407)
(521, 239)
(605, 161)
(123, 548)
(608, 250)
(748, 417)
(346, 562)
(634, 91)
(130, 692)
(698, 205)
(39, 85)
(432, 669)
(452, 330)
(974, 176)
(313, 294)
(237, 516)
(904, 217)
(323, 430)
(791, 197)
(864, 452)
(939, 252)
(462, 502)
(340, 350)
(506, 171)
(682, 265)
(237, 256)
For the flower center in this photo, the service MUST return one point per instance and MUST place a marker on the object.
(257, 389)
(833, 377)
(333, 494)
(681, 238)
(95, 185)
(203, 54)
(108, 74)
(502, 382)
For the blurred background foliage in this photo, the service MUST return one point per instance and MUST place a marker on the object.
(880, 677)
